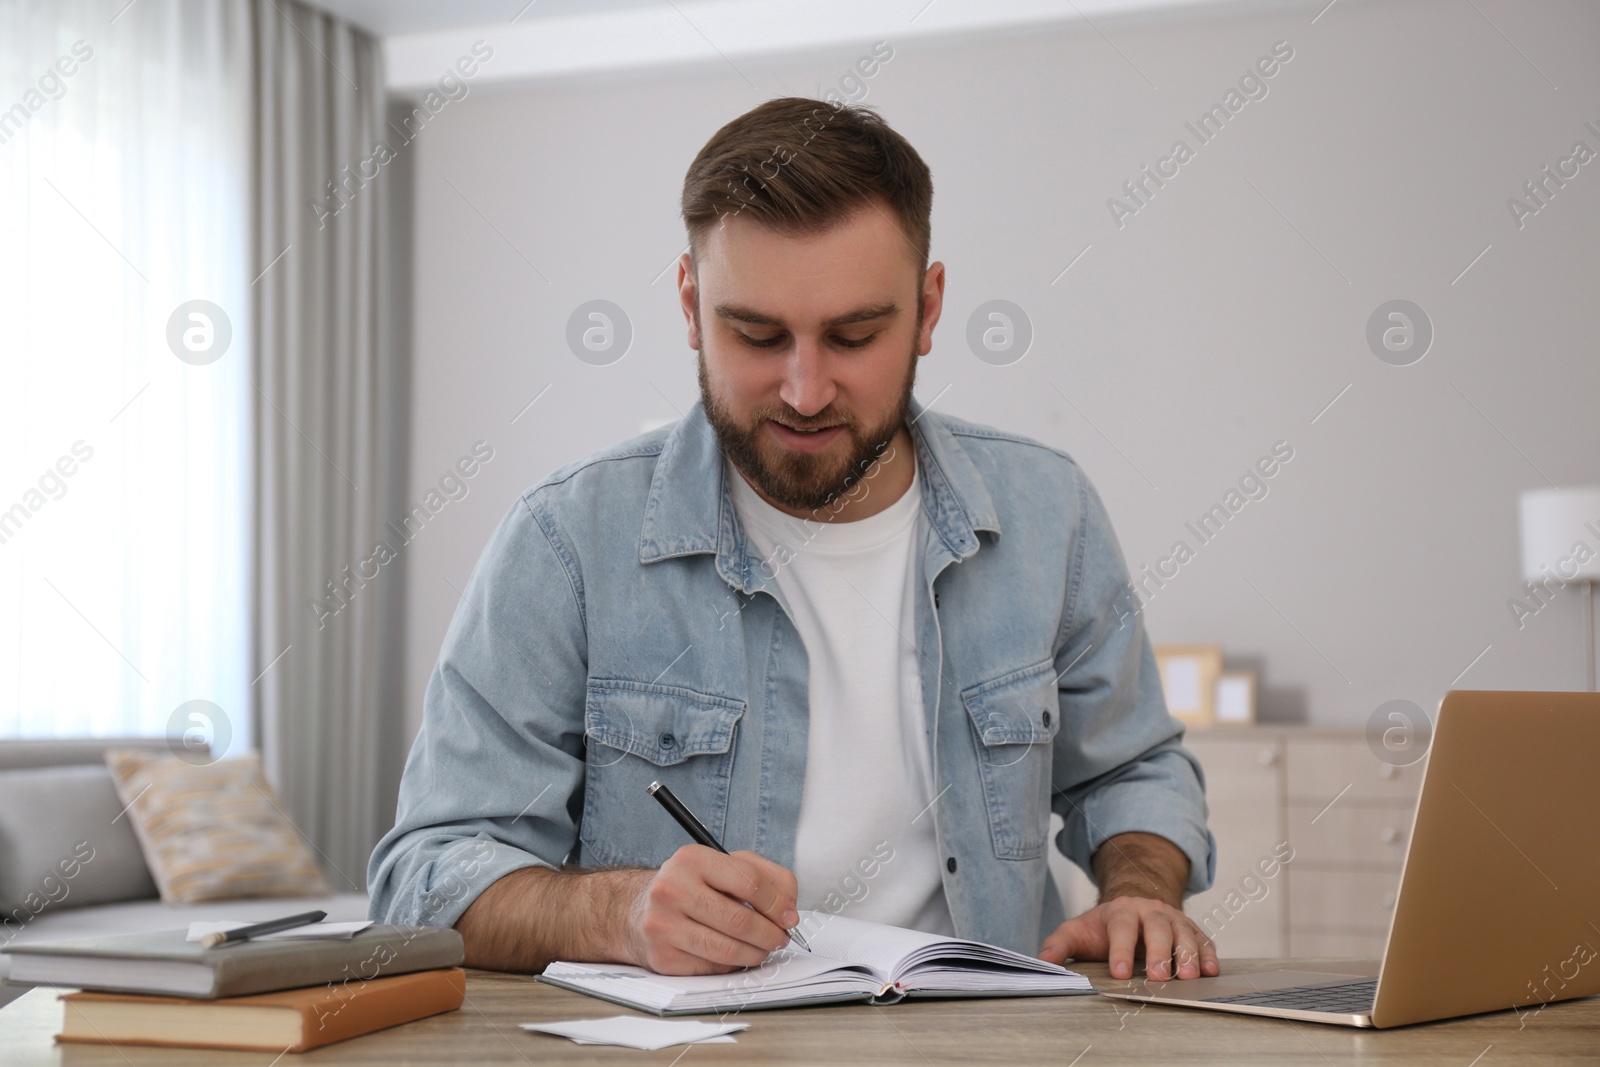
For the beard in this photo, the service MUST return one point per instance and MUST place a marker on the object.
(803, 480)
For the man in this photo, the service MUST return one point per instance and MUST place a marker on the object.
(869, 645)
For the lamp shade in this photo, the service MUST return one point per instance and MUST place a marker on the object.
(1561, 533)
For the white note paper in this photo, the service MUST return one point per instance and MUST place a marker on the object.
(308, 932)
(633, 1031)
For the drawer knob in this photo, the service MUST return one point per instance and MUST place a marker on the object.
(1389, 835)
(1266, 757)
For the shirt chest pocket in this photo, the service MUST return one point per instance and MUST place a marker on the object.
(636, 733)
(1015, 718)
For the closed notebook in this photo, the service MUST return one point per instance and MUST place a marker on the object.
(165, 963)
(294, 1020)
(851, 960)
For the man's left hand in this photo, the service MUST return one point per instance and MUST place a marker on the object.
(1113, 931)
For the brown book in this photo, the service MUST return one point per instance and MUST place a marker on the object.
(294, 1019)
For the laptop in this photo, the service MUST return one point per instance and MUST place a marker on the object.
(1499, 900)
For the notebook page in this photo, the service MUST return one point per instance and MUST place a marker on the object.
(993, 978)
(979, 954)
(880, 948)
(914, 959)
(785, 969)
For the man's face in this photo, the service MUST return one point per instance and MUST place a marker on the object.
(808, 348)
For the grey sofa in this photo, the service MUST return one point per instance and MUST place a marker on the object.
(70, 865)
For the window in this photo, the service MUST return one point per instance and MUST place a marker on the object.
(124, 405)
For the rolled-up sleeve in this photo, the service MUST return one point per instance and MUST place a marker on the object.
(495, 777)
(1120, 765)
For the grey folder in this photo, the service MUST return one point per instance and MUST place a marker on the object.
(165, 963)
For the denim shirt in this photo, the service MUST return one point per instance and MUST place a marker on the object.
(620, 629)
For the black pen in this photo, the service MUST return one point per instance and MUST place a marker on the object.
(271, 926)
(702, 836)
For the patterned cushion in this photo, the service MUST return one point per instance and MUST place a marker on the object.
(213, 832)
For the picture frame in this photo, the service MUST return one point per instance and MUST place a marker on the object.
(1236, 699)
(1189, 676)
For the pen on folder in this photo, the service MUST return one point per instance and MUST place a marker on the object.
(696, 829)
(271, 926)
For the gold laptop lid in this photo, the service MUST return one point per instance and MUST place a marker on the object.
(1500, 894)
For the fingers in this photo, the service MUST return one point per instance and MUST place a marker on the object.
(746, 876)
(1083, 937)
(1186, 948)
(671, 960)
(1122, 937)
(729, 918)
(1210, 966)
(1057, 947)
(1191, 952)
(1158, 934)
(1173, 945)
(691, 918)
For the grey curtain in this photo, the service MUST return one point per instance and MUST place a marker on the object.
(330, 418)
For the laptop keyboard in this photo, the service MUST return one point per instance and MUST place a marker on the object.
(1340, 998)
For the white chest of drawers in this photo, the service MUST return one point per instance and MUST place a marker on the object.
(1320, 797)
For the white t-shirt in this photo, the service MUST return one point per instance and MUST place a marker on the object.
(866, 835)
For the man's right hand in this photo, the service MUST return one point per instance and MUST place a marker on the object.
(686, 918)
(689, 917)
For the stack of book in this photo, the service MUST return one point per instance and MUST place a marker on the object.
(270, 995)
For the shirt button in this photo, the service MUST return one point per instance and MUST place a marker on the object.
(1045, 718)
(936, 600)
(667, 740)
(950, 865)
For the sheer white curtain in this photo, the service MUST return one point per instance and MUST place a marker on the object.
(125, 179)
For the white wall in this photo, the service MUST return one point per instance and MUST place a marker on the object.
(1222, 318)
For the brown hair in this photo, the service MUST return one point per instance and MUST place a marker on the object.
(801, 166)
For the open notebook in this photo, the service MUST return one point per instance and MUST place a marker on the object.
(851, 960)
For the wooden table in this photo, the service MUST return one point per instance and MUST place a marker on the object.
(1062, 1031)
